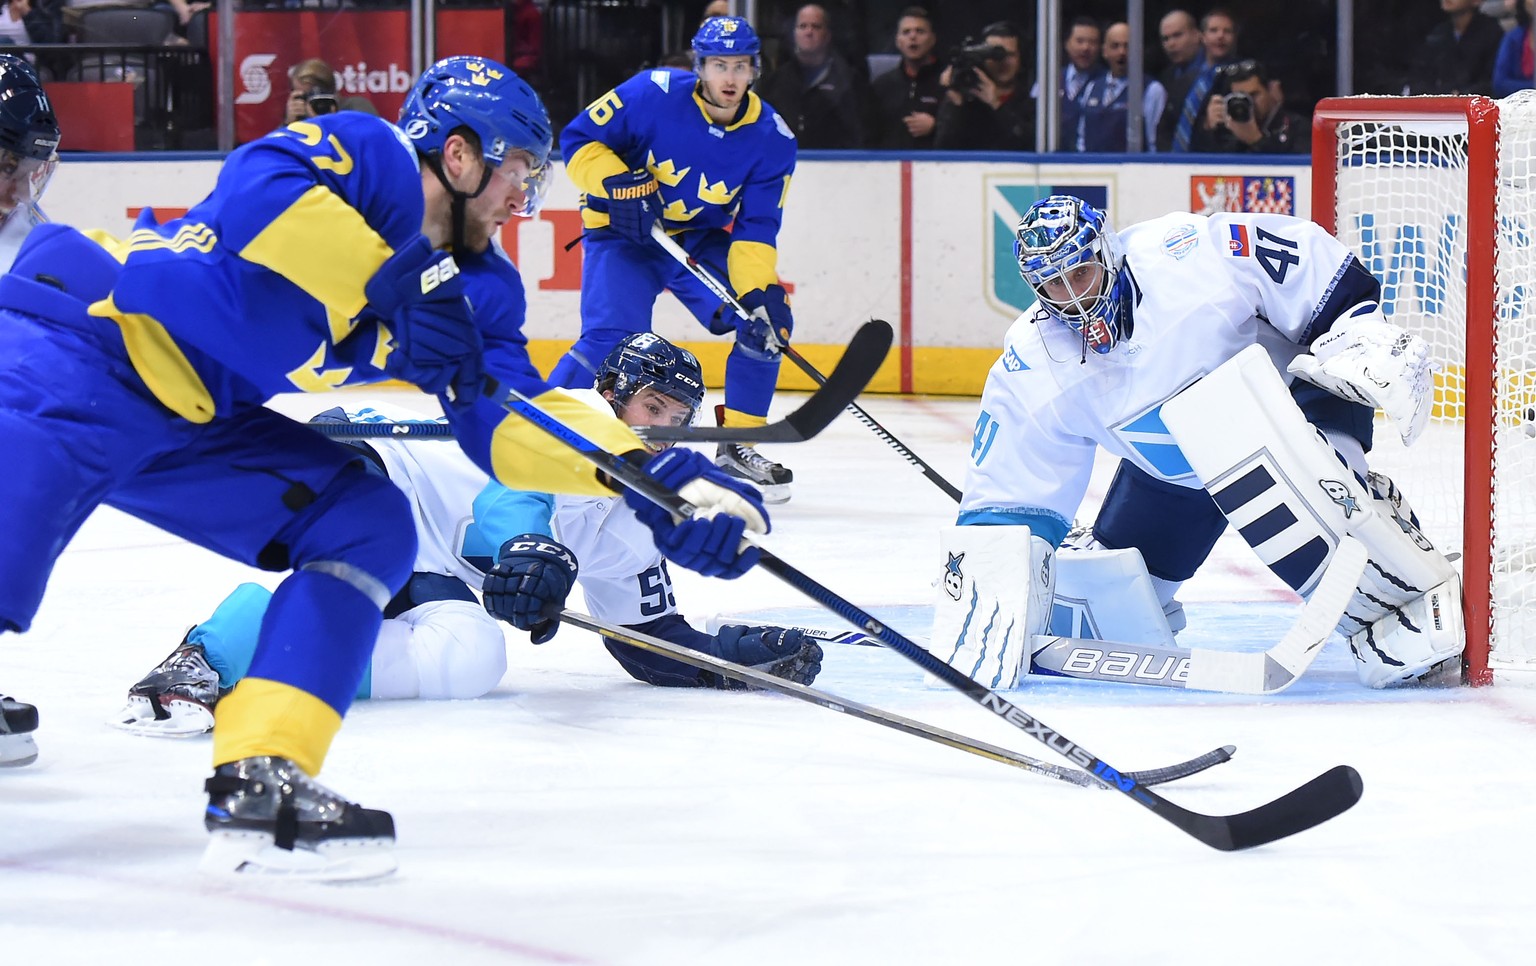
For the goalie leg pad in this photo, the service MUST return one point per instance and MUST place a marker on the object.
(993, 595)
(1106, 595)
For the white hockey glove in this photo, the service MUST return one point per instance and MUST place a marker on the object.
(1371, 361)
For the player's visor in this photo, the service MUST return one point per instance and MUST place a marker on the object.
(23, 180)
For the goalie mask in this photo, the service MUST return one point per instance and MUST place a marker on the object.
(645, 360)
(1070, 257)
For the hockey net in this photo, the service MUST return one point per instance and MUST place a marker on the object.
(1437, 197)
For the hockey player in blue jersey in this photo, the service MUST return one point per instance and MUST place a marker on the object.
(708, 159)
(1233, 363)
(132, 373)
(437, 641)
(29, 141)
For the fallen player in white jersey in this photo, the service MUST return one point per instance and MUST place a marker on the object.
(437, 640)
(1234, 364)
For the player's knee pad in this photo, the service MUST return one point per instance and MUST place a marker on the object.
(442, 649)
(360, 530)
(994, 594)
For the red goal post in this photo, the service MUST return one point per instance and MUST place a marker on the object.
(1437, 196)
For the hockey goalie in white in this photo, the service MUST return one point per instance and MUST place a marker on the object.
(1234, 363)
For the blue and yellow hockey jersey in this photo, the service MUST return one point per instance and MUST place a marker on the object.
(258, 290)
(709, 174)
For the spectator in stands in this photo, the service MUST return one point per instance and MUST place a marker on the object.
(1180, 34)
(1457, 57)
(907, 98)
(1106, 102)
(716, 8)
(312, 91)
(13, 29)
(983, 109)
(1514, 67)
(824, 100)
(1084, 43)
(1218, 35)
(527, 41)
(1247, 115)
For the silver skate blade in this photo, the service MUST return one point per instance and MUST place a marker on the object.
(17, 750)
(187, 719)
(252, 856)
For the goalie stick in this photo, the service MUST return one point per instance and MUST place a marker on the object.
(761, 679)
(1324, 797)
(866, 351)
(718, 287)
(1197, 669)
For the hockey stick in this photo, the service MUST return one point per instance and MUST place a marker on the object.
(712, 283)
(1322, 798)
(860, 361)
(1197, 669)
(761, 679)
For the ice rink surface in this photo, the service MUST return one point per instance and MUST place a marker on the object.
(577, 816)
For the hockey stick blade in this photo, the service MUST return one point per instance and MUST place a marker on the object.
(1204, 669)
(860, 361)
(1313, 803)
(762, 680)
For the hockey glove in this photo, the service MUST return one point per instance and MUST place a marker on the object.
(437, 347)
(1371, 361)
(529, 584)
(766, 333)
(710, 541)
(784, 652)
(633, 204)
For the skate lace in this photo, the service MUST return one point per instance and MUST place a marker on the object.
(756, 460)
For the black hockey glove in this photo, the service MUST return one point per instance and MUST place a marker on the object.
(633, 204)
(529, 584)
(781, 651)
(419, 292)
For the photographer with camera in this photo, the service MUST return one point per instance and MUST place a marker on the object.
(983, 108)
(1246, 115)
(312, 93)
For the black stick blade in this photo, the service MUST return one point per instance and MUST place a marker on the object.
(1330, 794)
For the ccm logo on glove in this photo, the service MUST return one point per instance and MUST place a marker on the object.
(438, 273)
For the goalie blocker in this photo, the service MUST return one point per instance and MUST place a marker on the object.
(1281, 484)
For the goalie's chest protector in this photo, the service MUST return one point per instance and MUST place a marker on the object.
(1192, 310)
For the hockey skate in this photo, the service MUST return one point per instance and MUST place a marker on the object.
(746, 463)
(176, 699)
(17, 722)
(268, 818)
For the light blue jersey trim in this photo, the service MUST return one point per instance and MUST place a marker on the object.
(1048, 526)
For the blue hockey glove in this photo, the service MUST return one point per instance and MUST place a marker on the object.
(709, 541)
(766, 333)
(784, 652)
(633, 204)
(421, 295)
(529, 584)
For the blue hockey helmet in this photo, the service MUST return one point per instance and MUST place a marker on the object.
(646, 360)
(726, 37)
(29, 134)
(1055, 239)
(488, 99)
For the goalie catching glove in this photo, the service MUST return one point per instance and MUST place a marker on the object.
(437, 348)
(1368, 360)
(709, 541)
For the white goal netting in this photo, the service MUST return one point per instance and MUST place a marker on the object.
(1412, 202)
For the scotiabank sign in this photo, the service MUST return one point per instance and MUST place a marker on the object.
(369, 50)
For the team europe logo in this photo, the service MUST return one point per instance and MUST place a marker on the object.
(1007, 199)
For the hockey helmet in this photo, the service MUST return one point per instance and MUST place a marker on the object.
(726, 37)
(29, 135)
(492, 101)
(646, 360)
(1054, 239)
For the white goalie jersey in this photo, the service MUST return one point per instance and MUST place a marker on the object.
(1201, 290)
